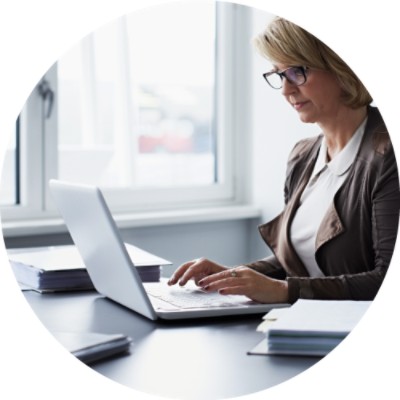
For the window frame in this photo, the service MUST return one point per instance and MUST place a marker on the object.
(38, 138)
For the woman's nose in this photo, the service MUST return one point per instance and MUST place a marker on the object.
(288, 88)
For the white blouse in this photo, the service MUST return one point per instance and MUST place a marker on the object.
(325, 180)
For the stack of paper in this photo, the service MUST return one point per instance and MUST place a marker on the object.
(61, 268)
(309, 327)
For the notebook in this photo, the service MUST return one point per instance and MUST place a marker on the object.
(98, 240)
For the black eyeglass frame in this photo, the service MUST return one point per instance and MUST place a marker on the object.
(283, 74)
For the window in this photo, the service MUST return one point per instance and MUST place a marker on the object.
(136, 99)
(142, 107)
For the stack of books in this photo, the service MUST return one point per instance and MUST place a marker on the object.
(60, 268)
(309, 327)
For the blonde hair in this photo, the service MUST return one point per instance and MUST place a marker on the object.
(286, 43)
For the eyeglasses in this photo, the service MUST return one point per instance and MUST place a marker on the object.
(294, 75)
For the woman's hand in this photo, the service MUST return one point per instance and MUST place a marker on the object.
(196, 269)
(245, 281)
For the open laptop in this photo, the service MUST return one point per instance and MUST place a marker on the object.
(112, 271)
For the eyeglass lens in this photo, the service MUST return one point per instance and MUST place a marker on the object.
(295, 75)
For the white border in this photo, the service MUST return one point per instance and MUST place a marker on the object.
(33, 34)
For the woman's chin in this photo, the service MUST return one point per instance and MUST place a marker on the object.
(306, 118)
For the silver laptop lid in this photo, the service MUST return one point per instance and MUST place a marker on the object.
(97, 238)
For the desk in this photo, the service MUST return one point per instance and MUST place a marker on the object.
(198, 359)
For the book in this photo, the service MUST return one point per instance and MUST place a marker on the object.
(309, 327)
(61, 268)
(90, 347)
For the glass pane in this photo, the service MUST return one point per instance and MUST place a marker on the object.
(136, 101)
(8, 186)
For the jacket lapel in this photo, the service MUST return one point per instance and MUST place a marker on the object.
(331, 226)
(276, 234)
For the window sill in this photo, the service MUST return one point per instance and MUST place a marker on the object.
(126, 221)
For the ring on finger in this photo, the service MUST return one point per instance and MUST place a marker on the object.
(234, 273)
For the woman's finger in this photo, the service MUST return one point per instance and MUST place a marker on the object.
(198, 267)
(179, 272)
(228, 273)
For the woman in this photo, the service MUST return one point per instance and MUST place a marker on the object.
(336, 234)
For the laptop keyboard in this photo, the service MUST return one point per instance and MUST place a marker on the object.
(186, 298)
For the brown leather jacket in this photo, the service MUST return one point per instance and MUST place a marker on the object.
(356, 238)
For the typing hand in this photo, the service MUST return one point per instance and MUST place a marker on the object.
(247, 282)
(196, 270)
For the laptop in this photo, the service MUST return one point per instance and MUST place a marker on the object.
(113, 272)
